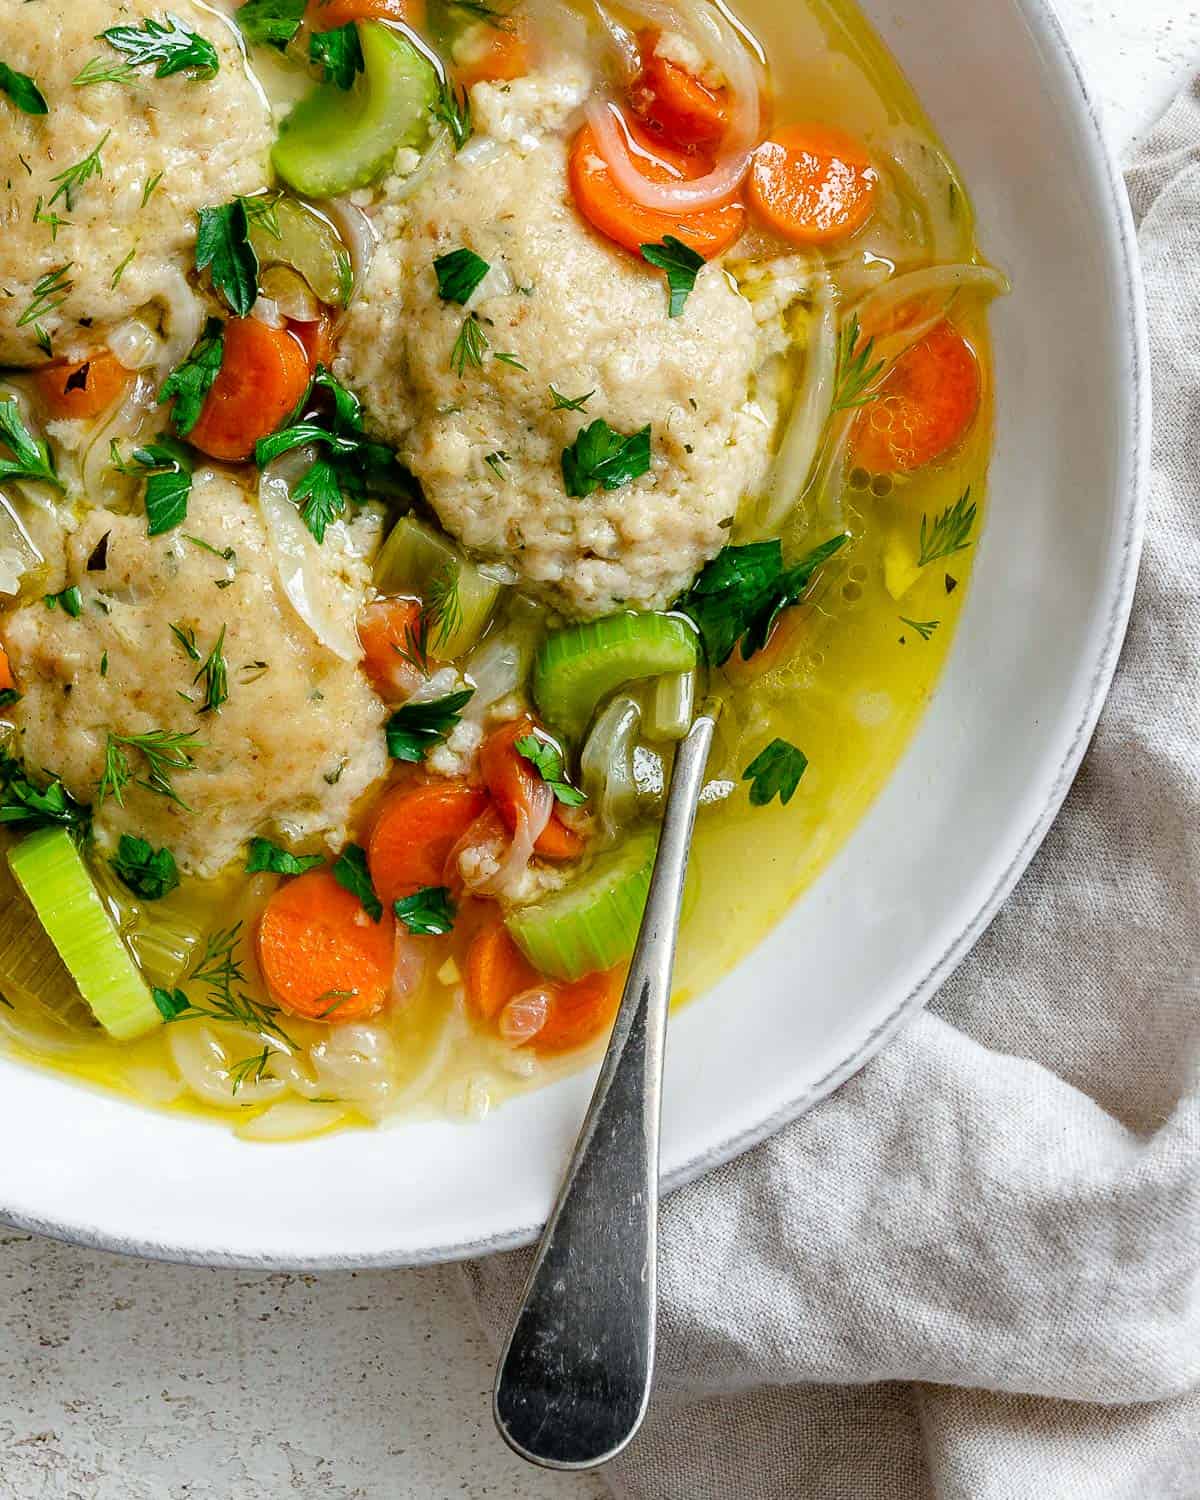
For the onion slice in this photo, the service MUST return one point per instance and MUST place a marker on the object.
(680, 195)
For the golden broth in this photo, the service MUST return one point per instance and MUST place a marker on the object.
(863, 668)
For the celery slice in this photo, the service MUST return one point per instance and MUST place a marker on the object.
(31, 971)
(416, 560)
(51, 872)
(671, 707)
(334, 141)
(307, 243)
(577, 668)
(593, 923)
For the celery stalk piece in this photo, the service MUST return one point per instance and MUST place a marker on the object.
(51, 872)
(459, 598)
(307, 243)
(577, 668)
(30, 968)
(334, 141)
(591, 924)
(671, 707)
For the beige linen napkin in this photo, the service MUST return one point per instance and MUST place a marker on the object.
(973, 1273)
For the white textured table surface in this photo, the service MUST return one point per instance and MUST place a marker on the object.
(124, 1381)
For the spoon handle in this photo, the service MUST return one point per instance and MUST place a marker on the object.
(574, 1378)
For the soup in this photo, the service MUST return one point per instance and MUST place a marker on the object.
(410, 413)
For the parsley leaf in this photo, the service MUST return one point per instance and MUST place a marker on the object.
(742, 592)
(319, 495)
(168, 483)
(189, 383)
(25, 805)
(171, 44)
(601, 458)
(417, 727)
(338, 53)
(70, 599)
(949, 532)
(351, 872)
(459, 272)
(223, 244)
(148, 872)
(22, 90)
(264, 855)
(430, 912)
(682, 265)
(30, 459)
(547, 760)
(775, 773)
(271, 23)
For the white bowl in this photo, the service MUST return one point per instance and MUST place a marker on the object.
(924, 873)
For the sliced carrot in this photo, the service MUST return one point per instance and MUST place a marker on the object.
(513, 783)
(8, 682)
(414, 832)
(83, 389)
(263, 375)
(579, 1012)
(925, 406)
(388, 629)
(316, 339)
(492, 54)
(605, 206)
(813, 183)
(328, 15)
(496, 971)
(320, 954)
(674, 103)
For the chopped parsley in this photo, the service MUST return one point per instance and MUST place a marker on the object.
(215, 672)
(22, 90)
(148, 872)
(319, 496)
(682, 265)
(351, 872)
(164, 753)
(459, 273)
(855, 372)
(30, 459)
(70, 599)
(25, 805)
(429, 912)
(338, 54)
(775, 773)
(949, 532)
(547, 760)
(600, 458)
(264, 855)
(270, 23)
(73, 179)
(743, 591)
(559, 402)
(453, 108)
(223, 248)
(171, 45)
(418, 727)
(190, 382)
(168, 471)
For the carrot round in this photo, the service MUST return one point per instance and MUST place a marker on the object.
(321, 955)
(83, 389)
(599, 199)
(388, 629)
(8, 683)
(813, 184)
(414, 832)
(579, 1012)
(496, 971)
(328, 15)
(316, 339)
(925, 407)
(493, 54)
(263, 375)
(513, 783)
(674, 103)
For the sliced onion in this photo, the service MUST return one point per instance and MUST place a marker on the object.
(290, 1120)
(495, 670)
(606, 766)
(680, 195)
(265, 310)
(524, 1016)
(125, 422)
(623, 43)
(326, 605)
(183, 320)
(934, 281)
(358, 235)
(932, 181)
(205, 1061)
(408, 965)
(134, 344)
(511, 854)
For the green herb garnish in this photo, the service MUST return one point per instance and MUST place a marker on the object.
(22, 90)
(70, 599)
(171, 45)
(22, 804)
(30, 459)
(148, 872)
(215, 672)
(264, 855)
(775, 773)
(855, 372)
(547, 760)
(453, 108)
(416, 728)
(600, 458)
(338, 54)
(250, 1069)
(924, 628)
(51, 220)
(164, 752)
(223, 248)
(271, 23)
(682, 265)
(49, 293)
(220, 974)
(73, 179)
(429, 912)
(470, 346)
(186, 637)
(351, 872)
(459, 272)
(559, 402)
(190, 382)
(949, 532)
(319, 496)
(168, 471)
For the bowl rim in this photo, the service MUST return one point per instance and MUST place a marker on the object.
(1134, 467)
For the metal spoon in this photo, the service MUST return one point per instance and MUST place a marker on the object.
(574, 1378)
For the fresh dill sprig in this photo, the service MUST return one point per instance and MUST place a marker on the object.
(164, 752)
(50, 219)
(98, 71)
(414, 649)
(453, 108)
(569, 403)
(73, 179)
(220, 974)
(924, 628)
(121, 269)
(855, 372)
(215, 672)
(151, 184)
(444, 606)
(186, 637)
(496, 461)
(480, 10)
(250, 1069)
(949, 532)
(49, 293)
(470, 346)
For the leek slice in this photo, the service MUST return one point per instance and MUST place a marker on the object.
(335, 141)
(460, 598)
(577, 668)
(51, 872)
(591, 924)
